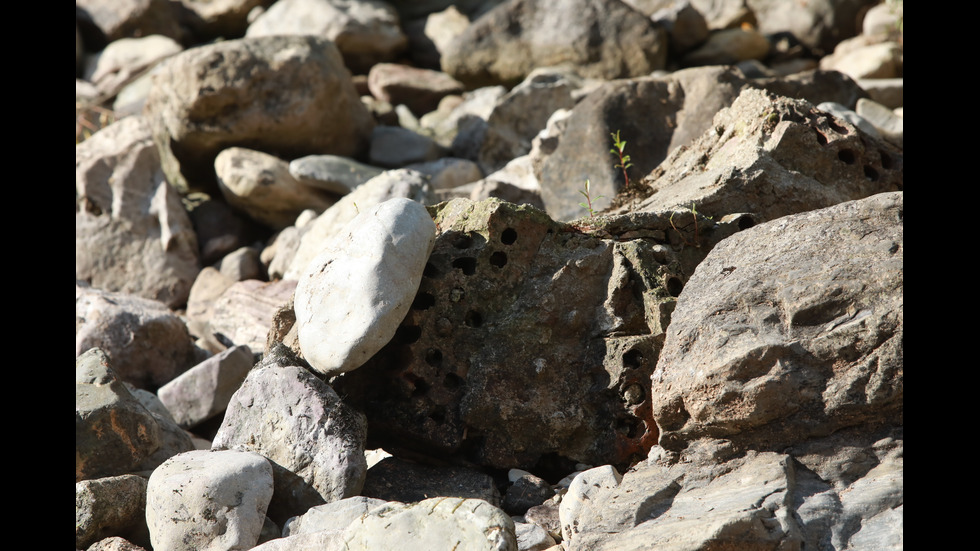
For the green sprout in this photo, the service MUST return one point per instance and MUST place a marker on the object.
(697, 235)
(588, 197)
(619, 147)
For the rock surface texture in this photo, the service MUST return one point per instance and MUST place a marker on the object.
(519, 275)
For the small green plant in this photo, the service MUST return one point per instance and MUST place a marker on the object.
(697, 234)
(619, 149)
(587, 192)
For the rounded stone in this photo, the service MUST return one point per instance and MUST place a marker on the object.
(354, 294)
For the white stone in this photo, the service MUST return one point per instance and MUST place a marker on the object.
(208, 500)
(581, 494)
(353, 296)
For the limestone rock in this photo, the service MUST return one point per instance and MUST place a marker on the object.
(114, 505)
(812, 345)
(418, 89)
(436, 523)
(260, 185)
(600, 38)
(243, 314)
(332, 173)
(314, 441)
(113, 431)
(208, 500)
(147, 343)
(288, 94)
(205, 390)
(132, 234)
(354, 295)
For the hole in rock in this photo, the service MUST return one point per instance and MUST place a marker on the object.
(745, 222)
(433, 357)
(421, 387)
(821, 139)
(840, 129)
(886, 160)
(846, 156)
(498, 259)
(467, 264)
(674, 286)
(871, 173)
(628, 426)
(407, 334)
(509, 236)
(463, 241)
(633, 359)
(423, 301)
(452, 381)
(438, 414)
(473, 319)
(430, 270)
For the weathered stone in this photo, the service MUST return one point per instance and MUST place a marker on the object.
(790, 330)
(243, 314)
(334, 516)
(332, 173)
(405, 183)
(147, 343)
(395, 147)
(567, 378)
(525, 491)
(260, 185)
(103, 21)
(770, 156)
(313, 440)
(111, 506)
(729, 46)
(173, 438)
(208, 499)
(288, 94)
(354, 294)
(204, 391)
(124, 60)
(394, 479)
(113, 431)
(418, 89)
(436, 523)
(365, 31)
(132, 234)
(581, 496)
(221, 18)
(600, 38)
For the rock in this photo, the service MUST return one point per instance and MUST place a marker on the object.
(103, 21)
(418, 89)
(525, 491)
(221, 18)
(448, 172)
(436, 523)
(332, 173)
(394, 479)
(132, 234)
(389, 185)
(206, 389)
(260, 185)
(194, 104)
(113, 431)
(313, 440)
(890, 126)
(395, 147)
(354, 294)
(334, 516)
(147, 344)
(771, 156)
(243, 313)
(173, 438)
(581, 496)
(729, 46)
(538, 393)
(863, 58)
(208, 500)
(531, 537)
(889, 92)
(814, 346)
(241, 264)
(124, 60)
(600, 38)
(110, 506)
(365, 31)
(685, 25)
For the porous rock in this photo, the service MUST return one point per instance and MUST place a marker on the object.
(354, 294)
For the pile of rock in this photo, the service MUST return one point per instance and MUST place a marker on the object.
(336, 287)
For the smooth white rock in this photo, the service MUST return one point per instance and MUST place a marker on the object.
(354, 294)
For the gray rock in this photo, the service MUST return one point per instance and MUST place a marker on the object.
(313, 440)
(436, 523)
(132, 234)
(448, 172)
(850, 116)
(243, 314)
(388, 185)
(332, 173)
(581, 497)
(531, 537)
(194, 106)
(395, 147)
(812, 345)
(863, 58)
(365, 31)
(770, 156)
(205, 390)
(334, 516)
(600, 38)
(221, 18)
(147, 343)
(260, 185)
(241, 264)
(173, 438)
(112, 20)
(113, 431)
(207, 499)
(418, 89)
(890, 126)
(123, 61)
(356, 292)
(109, 506)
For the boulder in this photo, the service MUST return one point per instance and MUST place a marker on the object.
(110, 506)
(356, 292)
(205, 390)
